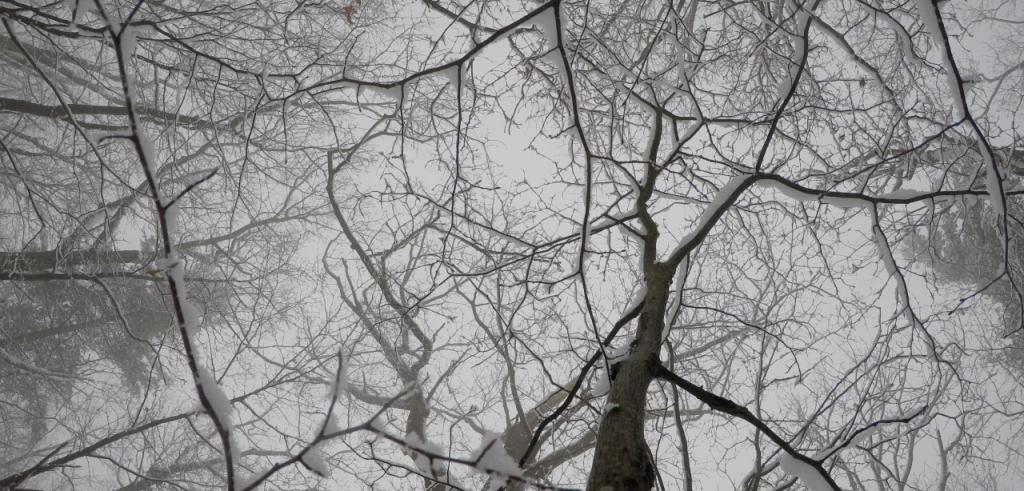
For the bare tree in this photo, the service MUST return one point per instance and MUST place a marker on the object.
(554, 245)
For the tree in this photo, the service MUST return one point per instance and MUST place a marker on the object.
(564, 244)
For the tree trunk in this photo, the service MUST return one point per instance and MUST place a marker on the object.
(622, 459)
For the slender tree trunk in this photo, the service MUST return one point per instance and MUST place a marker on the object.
(622, 459)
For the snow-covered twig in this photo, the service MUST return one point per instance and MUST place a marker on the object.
(211, 396)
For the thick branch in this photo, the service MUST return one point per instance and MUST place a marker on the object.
(58, 112)
(726, 406)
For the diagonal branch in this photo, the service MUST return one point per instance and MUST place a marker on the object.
(723, 405)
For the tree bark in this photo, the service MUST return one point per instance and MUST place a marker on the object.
(622, 458)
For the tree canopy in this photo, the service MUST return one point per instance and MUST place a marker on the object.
(511, 245)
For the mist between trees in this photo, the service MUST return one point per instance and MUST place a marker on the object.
(446, 245)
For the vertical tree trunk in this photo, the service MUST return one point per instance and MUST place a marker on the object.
(622, 459)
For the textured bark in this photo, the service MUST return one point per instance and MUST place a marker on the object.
(622, 460)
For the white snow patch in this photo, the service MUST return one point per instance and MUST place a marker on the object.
(855, 441)
(166, 263)
(339, 385)
(493, 458)
(618, 355)
(601, 384)
(907, 46)
(679, 55)
(191, 313)
(927, 11)
(807, 474)
(863, 436)
(992, 183)
(930, 18)
(452, 74)
(903, 194)
(789, 192)
(175, 270)
(219, 402)
(890, 265)
(244, 479)
(394, 92)
(721, 198)
(149, 154)
(378, 426)
(845, 202)
(94, 136)
(417, 448)
(332, 426)
(954, 92)
(883, 250)
(129, 41)
(193, 178)
(799, 47)
(677, 301)
(79, 8)
(638, 297)
(238, 445)
(171, 215)
(654, 117)
(584, 243)
(315, 460)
